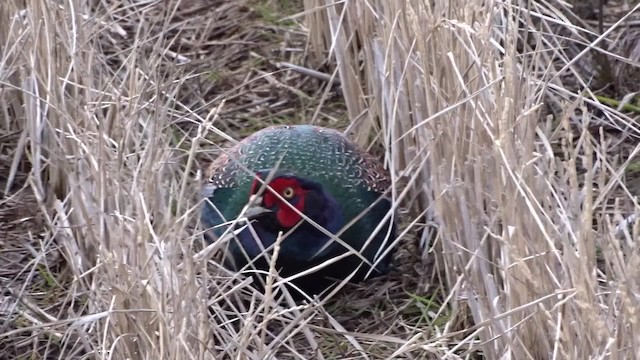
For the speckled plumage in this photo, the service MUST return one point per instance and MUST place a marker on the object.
(326, 158)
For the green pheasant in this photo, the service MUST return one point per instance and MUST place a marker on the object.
(311, 171)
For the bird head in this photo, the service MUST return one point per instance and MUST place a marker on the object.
(278, 205)
(285, 197)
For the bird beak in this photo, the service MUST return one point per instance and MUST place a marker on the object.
(255, 210)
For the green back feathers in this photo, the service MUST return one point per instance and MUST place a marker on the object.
(352, 176)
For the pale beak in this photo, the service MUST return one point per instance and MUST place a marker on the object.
(255, 211)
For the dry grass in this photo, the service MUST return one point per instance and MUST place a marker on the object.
(510, 130)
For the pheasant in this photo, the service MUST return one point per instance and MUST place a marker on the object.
(325, 197)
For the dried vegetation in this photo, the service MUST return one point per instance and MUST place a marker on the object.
(509, 129)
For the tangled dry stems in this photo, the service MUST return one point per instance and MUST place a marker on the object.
(486, 116)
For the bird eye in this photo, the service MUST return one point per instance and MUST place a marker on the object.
(288, 193)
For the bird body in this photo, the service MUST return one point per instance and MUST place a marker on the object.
(314, 173)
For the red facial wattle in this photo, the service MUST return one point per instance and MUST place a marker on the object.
(287, 217)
